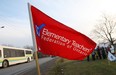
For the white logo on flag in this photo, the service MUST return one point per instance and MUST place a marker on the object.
(111, 57)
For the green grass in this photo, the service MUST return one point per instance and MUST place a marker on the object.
(98, 67)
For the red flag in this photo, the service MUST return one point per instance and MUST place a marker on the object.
(55, 38)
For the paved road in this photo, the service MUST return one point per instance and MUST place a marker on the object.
(21, 68)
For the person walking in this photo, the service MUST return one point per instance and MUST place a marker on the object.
(99, 52)
(93, 55)
(103, 53)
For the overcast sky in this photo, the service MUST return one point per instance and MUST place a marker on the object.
(81, 15)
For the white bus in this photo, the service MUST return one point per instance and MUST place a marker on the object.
(12, 55)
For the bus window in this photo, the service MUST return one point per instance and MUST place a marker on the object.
(7, 53)
(13, 53)
(28, 52)
(19, 53)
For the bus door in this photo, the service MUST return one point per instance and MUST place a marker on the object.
(0, 58)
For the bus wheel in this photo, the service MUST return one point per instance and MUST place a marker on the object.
(5, 64)
(28, 60)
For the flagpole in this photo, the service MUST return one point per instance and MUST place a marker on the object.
(34, 41)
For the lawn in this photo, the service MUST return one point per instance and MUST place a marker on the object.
(97, 67)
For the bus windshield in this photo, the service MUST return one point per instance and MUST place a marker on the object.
(0, 53)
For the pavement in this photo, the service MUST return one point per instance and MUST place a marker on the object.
(44, 68)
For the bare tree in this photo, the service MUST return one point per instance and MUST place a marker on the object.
(9, 45)
(105, 29)
(28, 47)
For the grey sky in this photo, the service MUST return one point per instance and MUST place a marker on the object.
(80, 15)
